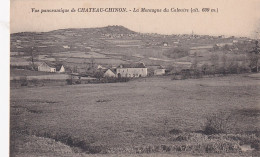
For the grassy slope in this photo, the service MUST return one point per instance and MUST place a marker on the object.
(140, 112)
(80, 40)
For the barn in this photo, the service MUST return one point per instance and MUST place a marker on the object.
(46, 67)
(131, 70)
(49, 67)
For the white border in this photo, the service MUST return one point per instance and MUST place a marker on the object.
(4, 79)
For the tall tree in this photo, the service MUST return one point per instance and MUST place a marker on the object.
(194, 64)
(254, 57)
(32, 57)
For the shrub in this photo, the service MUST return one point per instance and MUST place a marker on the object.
(24, 81)
(177, 52)
(69, 81)
(175, 131)
(78, 82)
(218, 123)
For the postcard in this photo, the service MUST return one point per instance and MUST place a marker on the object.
(134, 78)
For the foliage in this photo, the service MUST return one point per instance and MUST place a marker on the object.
(177, 52)
(69, 81)
(254, 57)
(24, 81)
(98, 74)
(218, 123)
(175, 131)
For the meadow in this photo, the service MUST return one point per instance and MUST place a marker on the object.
(146, 116)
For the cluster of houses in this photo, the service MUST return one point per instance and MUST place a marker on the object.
(123, 70)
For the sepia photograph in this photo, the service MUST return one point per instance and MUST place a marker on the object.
(123, 78)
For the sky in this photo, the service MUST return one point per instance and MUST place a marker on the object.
(234, 17)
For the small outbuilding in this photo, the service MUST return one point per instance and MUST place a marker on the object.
(159, 72)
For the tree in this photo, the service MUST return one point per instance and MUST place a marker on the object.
(214, 62)
(254, 57)
(205, 68)
(75, 69)
(223, 67)
(177, 52)
(92, 61)
(215, 47)
(194, 64)
(224, 63)
(98, 74)
(32, 58)
(85, 64)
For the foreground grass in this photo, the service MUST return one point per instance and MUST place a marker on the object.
(138, 116)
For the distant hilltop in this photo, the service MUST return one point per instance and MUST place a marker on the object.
(115, 29)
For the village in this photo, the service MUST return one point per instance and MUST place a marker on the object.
(114, 52)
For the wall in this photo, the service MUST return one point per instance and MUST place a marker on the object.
(132, 72)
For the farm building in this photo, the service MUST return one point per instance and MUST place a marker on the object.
(159, 72)
(131, 70)
(109, 73)
(48, 67)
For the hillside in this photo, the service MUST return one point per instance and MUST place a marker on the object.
(113, 45)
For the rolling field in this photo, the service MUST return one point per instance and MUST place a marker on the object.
(144, 112)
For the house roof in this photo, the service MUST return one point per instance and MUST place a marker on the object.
(105, 70)
(112, 70)
(135, 65)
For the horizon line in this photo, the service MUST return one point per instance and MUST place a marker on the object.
(192, 33)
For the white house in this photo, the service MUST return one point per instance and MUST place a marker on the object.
(48, 67)
(131, 70)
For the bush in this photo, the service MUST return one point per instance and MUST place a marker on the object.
(177, 52)
(69, 81)
(175, 131)
(78, 82)
(24, 81)
(218, 123)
